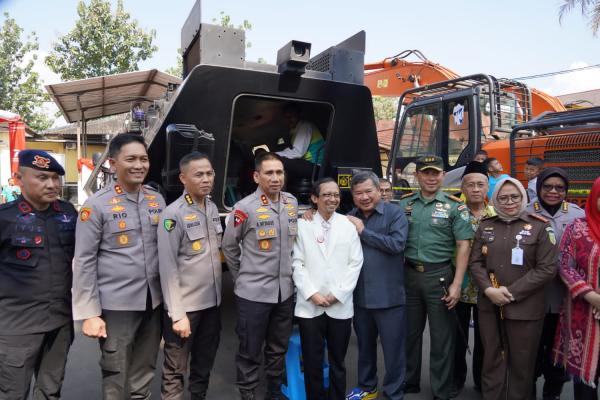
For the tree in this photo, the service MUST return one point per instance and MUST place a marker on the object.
(384, 107)
(20, 87)
(223, 20)
(589, 9)
(101, 43)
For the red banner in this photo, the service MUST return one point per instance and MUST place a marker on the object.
(16, 134)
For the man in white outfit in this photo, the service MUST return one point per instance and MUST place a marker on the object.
(327, 260)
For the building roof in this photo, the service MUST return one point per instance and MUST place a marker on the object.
(587, 98)
(385, 133)
(108, 125)
(108, 95)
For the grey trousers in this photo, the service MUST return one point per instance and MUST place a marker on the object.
(39, 355)
(129, 353)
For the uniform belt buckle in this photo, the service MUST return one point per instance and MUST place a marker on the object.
(420, 268)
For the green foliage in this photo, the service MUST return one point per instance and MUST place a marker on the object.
(21, 91)
(101, 43)
(385, 107)
(177, 70)
(589, 9)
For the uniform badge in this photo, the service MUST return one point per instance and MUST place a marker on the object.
(439, 205)
(118, 189)
(123, 239)
(263, 216)
(565, 207)
(188, 199)
(153, 204)
(85, 214)
(264, 200)
(118, 208)
(196, 245)
(150, 197)
(24, 207)
(461, 207)
(239, 217)
(169, 224)
(41, 162)
(122, 224)
(537, 207)
(272, 232)
(291, 213)
(289, 206)
(38, 240)
(551, 235)
(465, 215)
(264, 244)
(484, 250)
(447, 206)
(262, 210)
(527, 227)
(262, 233)
(114, 200)
(155, 219)
(23, 254)
(190, 217)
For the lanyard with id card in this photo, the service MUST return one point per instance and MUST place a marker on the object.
(517, 253)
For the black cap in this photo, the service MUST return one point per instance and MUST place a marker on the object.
(40, 160)
(475, 167)
(430, 162)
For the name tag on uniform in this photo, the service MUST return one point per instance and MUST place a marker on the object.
(517, 253)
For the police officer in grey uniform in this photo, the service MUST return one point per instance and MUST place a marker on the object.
(189, 237)
(551, 191)
(116, 288)
(37, 233)
(257, 246)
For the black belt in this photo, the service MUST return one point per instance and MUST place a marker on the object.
(425, 267)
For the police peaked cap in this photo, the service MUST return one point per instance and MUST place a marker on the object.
(475, 167)
(40, 160)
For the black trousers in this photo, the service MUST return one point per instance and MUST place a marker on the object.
(313, 334)
(129, 353)
(262, 325)
(463, 310)
(389, 324)
(554, 377)
(39, 355)
(200, 348)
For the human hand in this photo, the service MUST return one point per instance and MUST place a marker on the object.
(308, 215)
(453, 296)
(331, 299)
(499, 296)
(182, 327)
(94, 327)
(319, 300)
(357, 222)
(593, 298)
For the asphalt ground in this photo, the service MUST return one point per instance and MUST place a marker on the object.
(83, 377)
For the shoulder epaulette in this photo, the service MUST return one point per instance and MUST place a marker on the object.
(457, 199)
(488, 217)
(538, 217)
(404, 196)
(150, 187)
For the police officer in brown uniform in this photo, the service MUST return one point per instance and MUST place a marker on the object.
(116, 288)
(513, 257)
(37, 233)
(189, 237)
(257, 246)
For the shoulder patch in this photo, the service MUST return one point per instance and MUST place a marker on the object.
(453, 197)
(538, 217)
(239, 217)
(85, 214)
(488, 217)
(169, 224)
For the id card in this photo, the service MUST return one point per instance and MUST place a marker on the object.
(517, 256)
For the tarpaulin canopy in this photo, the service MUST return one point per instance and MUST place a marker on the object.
(16, 137)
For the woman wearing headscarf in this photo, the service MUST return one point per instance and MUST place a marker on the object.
(512, 258)
(577, 343)
(551, 191)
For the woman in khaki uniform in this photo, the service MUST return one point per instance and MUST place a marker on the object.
(512, 258)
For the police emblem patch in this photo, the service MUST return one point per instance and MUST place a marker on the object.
(262, 233)
(85, 214)
(551, 235)
(239, 217)
(169, 224)
(123, 239)
(190, 217)
(41, 162)
(196, 245)
(153, 204)
(23, 254)
(122, 224)
(264, 244)
(263, 216)
(118, 208)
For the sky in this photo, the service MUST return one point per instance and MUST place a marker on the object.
(507, 39)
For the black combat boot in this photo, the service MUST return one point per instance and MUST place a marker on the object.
(247, 394)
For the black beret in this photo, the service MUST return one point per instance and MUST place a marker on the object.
(475, 167)
(39, 159)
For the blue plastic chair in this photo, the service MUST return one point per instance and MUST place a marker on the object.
(294, 390)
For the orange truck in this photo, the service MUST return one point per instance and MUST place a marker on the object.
(453, 116)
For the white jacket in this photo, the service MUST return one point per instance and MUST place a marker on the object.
(326, 269)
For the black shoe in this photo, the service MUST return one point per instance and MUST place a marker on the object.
(247, 394)
(408, 388)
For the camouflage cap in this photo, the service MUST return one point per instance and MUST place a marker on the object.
(430, 162)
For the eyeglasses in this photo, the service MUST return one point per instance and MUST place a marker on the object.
(548, 188)
(513, 198)
(330, 195)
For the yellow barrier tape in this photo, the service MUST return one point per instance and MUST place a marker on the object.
(416, 189)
